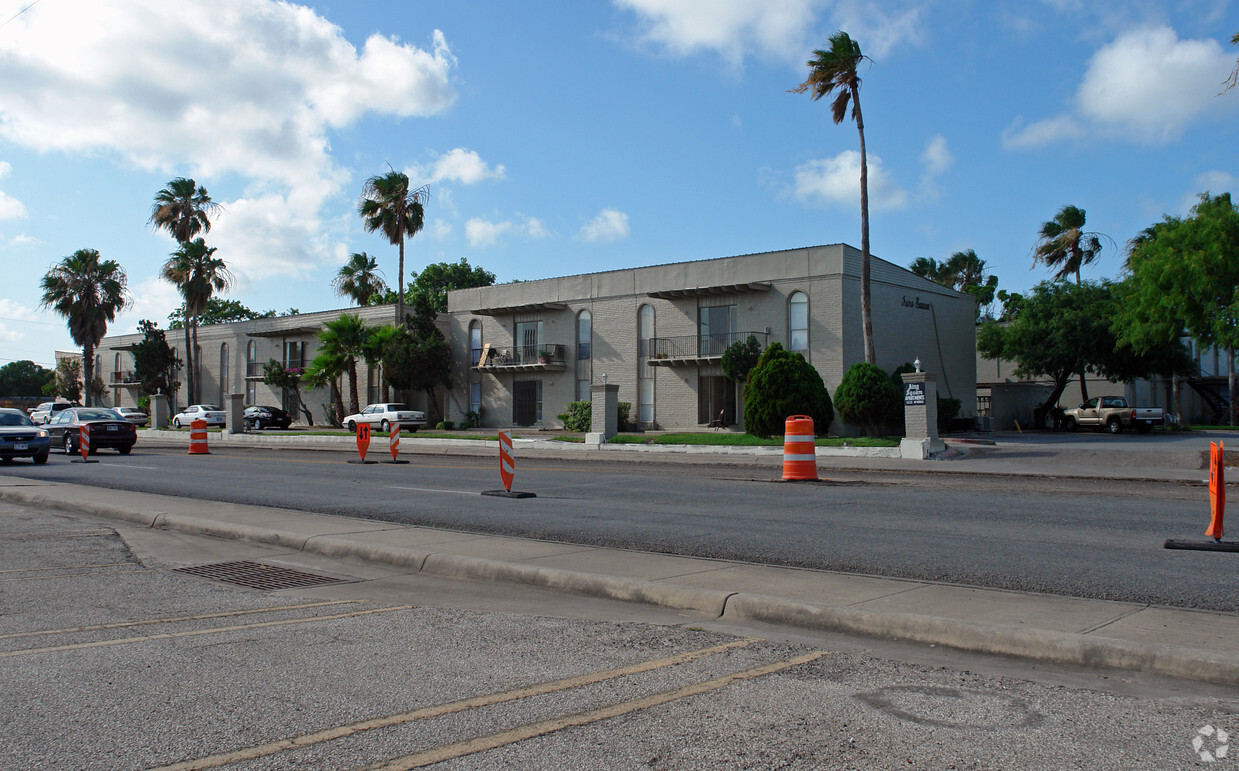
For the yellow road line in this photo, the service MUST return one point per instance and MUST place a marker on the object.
(197, 632)
(476, 702)
(534, 730)
(176, 619)
(69, 567)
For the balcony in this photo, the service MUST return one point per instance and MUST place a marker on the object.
(695, 349)
(524, 358)
(124, 377)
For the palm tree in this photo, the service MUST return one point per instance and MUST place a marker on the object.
(345, 338)
(376, 346)
(88, 292)
(928, 267)
(359, 279)
(198, 274)
(388, 205)
(1064, 244)
(326, 369)
(834, 72)
(184, 209)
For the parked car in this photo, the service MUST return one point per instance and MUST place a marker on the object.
(1113, 414)
(261, 416)
(133, 415)
(214, 416)
(21, 438)
(47, 410)
(384, 416)
(107, 429)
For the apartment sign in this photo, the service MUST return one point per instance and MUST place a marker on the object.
(913, 394)
(915, 303)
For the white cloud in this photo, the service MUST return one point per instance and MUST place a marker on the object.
(535, 229)
(23, 239)
(458, 165)
(481, 233)
(154, 299)
(878, 31)
(438, 230)
(10, 207)
(936, 158)
(837, 181)
(1147, 86)
(734, 29)
(1213, 182)
(245, 87)
(11, 309)
(609, 225)
(270, 235)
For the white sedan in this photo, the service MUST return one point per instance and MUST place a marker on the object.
(383, 416)
(133, 415)
(214, 416)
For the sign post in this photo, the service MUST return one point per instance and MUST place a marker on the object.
(507, 470)
(393, 444)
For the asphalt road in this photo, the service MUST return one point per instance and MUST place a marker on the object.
(110, 659)
(1080, 538)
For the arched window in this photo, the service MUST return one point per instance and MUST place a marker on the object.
(225, 387)
(584, 355)
(645, 373)
(798, 323)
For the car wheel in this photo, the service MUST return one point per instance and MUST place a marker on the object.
(1069, 424)
(7, 459)
(352, 427)
(124, 450)
(1114, 426)
(412, 429)
(41, 458)
(176, 422)
(386, 426)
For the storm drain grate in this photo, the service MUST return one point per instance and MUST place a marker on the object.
(256, 575)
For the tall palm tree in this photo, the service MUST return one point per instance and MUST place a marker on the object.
(376, 347)
(326, 369)
(345, 338)
(1065, 245)
(359, 279)
(88, 291)
(389, 206)
(184, 209)
(198, 274)
(835, 72)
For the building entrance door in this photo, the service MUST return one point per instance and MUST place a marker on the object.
(525, 402)
(716, 395)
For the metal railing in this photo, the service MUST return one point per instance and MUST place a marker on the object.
(698, 346)
(253, 369)
(124, 376)
(523, 355)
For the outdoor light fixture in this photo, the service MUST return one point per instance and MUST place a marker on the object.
(917, 363)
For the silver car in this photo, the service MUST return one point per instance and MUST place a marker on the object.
(382, 417)
(21, 438)
(214, 416)
(133, 415)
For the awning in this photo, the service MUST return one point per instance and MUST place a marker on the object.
(718, 289)
(504, 310)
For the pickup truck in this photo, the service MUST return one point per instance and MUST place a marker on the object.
(1113, 414)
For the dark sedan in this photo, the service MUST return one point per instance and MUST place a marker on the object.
(21, 438)
(107, 429)
(261, 416)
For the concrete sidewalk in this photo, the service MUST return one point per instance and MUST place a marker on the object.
(1199, 645)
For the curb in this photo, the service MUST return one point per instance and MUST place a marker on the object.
(1042, 645)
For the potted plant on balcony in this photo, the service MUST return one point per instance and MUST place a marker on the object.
(544, 356)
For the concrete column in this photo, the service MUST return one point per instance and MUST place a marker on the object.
(159, 411)
(236, 413)
(920, 416)
(604, 413)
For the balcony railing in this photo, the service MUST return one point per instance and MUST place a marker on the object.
(253, 369)
(123, 376)
(688, 348)
(527, 357)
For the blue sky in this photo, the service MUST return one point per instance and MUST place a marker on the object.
(562, 138)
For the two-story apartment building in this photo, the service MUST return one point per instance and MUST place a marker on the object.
(522, 351)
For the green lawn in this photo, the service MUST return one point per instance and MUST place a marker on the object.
(738, 440)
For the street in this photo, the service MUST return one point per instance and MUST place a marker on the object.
(112, 659)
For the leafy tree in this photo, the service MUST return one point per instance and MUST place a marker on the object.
(867, 397)
(419, 358)
(24, 378)
(964, 272)
(68, 381)
(326, 368)
(835, 72)
(740, 358)
(198, 274)
(389, 206)
(783, 384)
(155, 363)
(437, 279)
(376, 344)
(289, 382)
(218, 311)
(1184, 279)
(88, 292)
(1065, 245)
(359, 279)
(345, 339)
(184, 209)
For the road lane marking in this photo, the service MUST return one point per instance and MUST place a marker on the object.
(439, 710)
(127, 466)
(431, 490)
(177, 619)
(534, 730)
(198, 632)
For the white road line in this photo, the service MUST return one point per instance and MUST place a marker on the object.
(144, 468)
(429, 490)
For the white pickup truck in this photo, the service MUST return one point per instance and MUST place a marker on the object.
(1113, 414)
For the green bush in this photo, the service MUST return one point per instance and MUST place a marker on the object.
(579, 416)
(624, 409)
(783, 384)
(445, 425)
(472, 420)
(867, 398)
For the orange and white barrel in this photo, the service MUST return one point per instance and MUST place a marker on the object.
(799, 456)
(198, 438)
(394, 441)
(84, 439)
(507, 463)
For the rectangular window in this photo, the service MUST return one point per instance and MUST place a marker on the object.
(293, 350)
(251, 392)
(718, 329)
(475, 398)
(528, 341)
(716, 395)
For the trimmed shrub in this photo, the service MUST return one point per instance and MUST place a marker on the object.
(624, 409)
(579, 416)
(783, 384)
(867, 398)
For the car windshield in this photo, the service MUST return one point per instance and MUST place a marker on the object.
(96, 415)
(14, 419)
